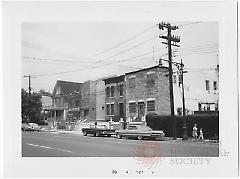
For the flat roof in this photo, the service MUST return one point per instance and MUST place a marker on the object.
(149, 68)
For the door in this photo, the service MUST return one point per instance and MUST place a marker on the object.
(141, 110)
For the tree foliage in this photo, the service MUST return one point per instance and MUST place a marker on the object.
(31, 107)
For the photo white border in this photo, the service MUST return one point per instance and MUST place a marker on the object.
(14, 13)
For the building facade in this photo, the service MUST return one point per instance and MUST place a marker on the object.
(201, 90)
(65, 96)
(88, 101)
(115, 98)
(100, 100)
(147, 91)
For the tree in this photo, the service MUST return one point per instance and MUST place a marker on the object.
(31, 107)
(42, 92)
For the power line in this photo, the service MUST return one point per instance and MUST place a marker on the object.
(124, 51)
(189, 23)
(125, 41)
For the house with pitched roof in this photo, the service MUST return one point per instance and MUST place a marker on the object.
(66, 96)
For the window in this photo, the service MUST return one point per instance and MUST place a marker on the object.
(132, 108)
(108, 109)
(132, 82)
(150, 105)
(121, 90)
(112, 109)
(150, 79)
(207, 85)
(112, 91)
(108, 92)
(215, 85)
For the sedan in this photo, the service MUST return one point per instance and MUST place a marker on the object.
(140, 132)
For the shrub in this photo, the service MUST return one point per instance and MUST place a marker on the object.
(209, 124)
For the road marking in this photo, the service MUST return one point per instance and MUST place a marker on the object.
(46, 147)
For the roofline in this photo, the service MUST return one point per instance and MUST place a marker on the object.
(69, 81)
(156, 66)
(112, 77)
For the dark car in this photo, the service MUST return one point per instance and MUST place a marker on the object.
(140, 132)
(98, 130)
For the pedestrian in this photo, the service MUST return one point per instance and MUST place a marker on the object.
(194, 132)
(201, 135)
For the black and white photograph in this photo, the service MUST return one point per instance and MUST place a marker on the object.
(125, 88)
(92, 89)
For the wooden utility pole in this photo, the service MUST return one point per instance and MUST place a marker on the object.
(29, 84)
(171, 41)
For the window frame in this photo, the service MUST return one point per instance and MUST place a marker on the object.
(149, 107)
(130, 107)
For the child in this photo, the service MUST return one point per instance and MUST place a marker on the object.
(201, 135)
(194, 131)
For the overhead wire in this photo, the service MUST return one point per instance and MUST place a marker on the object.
(125, 41)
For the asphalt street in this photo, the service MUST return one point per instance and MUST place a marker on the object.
(55, 144)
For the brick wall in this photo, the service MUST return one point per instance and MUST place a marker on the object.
(143, 92)
(116, 100)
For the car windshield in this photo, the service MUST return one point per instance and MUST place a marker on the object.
(98, 126)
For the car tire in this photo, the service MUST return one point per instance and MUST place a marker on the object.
(84, 133)
(139, 137)
(119, 136)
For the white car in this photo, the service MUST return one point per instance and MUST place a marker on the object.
(35, 127)
(140, 132)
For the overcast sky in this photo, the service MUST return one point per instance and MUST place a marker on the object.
(87, 51)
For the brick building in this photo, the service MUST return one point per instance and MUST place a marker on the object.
(147, 90)
(115, 98)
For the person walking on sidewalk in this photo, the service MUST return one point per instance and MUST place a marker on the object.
(201, 135)
(194, 132)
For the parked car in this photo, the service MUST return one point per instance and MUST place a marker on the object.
(98, 130)
(26, 127)
(140, 132)
(35, 127)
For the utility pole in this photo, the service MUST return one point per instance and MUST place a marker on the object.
(185, 137)
(175, 40)
(29, 84)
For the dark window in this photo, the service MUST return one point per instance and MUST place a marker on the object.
(150, 105)
(207, 85)
(150, 79)
(112, 109)
(108, 92)
(121, 90)
(216, 106)
(112, 91)
(108, 109)
(132, 82)
(215, 85)
(132, 108)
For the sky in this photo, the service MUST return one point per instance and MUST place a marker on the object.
(88, 51)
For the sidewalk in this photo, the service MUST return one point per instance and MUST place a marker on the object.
(190, 140)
